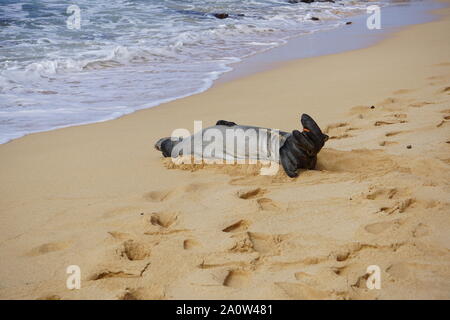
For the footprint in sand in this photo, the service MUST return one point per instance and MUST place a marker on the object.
(387, 143)
(48, 247)
(300, 275)
(440, 124)
(420, 104)
(381, 193)
(190, 244)
(242, 243)
(266, 243)
(195, 187)
(239, 226)
(394, 133)
(421, 230)
(352, 250)
(300, 291)
(237, 279)
(339, 130)
(443, 121)
(340, 136)
(152, 292)
(445, 90)
(157, 196)
(267, 204)
(50, 297)
(163, 219)
(342, 256)
(399, 270)
(251, 194)
(399, 206)
(262, 243)
(388, 122)
(110, 273)
(134, 250)
(333, 126)
(106, 274)
(400, 115)
(163, 223)
(119, 235)
(340, 271)
(392, 104)
(361, 281)
(379, 227)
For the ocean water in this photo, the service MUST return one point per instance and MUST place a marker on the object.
(133, 54)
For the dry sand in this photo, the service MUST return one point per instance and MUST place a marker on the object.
(99, 196)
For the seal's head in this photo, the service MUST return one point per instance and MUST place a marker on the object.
(311, 138)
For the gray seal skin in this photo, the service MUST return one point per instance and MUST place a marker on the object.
(295, 150)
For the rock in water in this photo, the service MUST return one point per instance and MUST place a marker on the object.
(304, 1)
(221, 15)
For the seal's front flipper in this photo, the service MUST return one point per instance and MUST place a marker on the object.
(226, 123)
(289, 166)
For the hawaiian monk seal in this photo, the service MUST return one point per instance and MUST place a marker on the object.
(295, 150)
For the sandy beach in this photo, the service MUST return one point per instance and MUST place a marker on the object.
(101, 197)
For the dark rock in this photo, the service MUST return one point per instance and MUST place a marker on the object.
(315, 19)
(372, 107)
(409, 146)
(348, 22)
(221, 15)
(298, 1)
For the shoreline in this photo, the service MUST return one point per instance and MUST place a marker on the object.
(344, 38)
(316, 44)
(99, 196)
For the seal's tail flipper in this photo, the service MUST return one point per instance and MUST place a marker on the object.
(310, 125)
(225, 123)
(313, 132)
